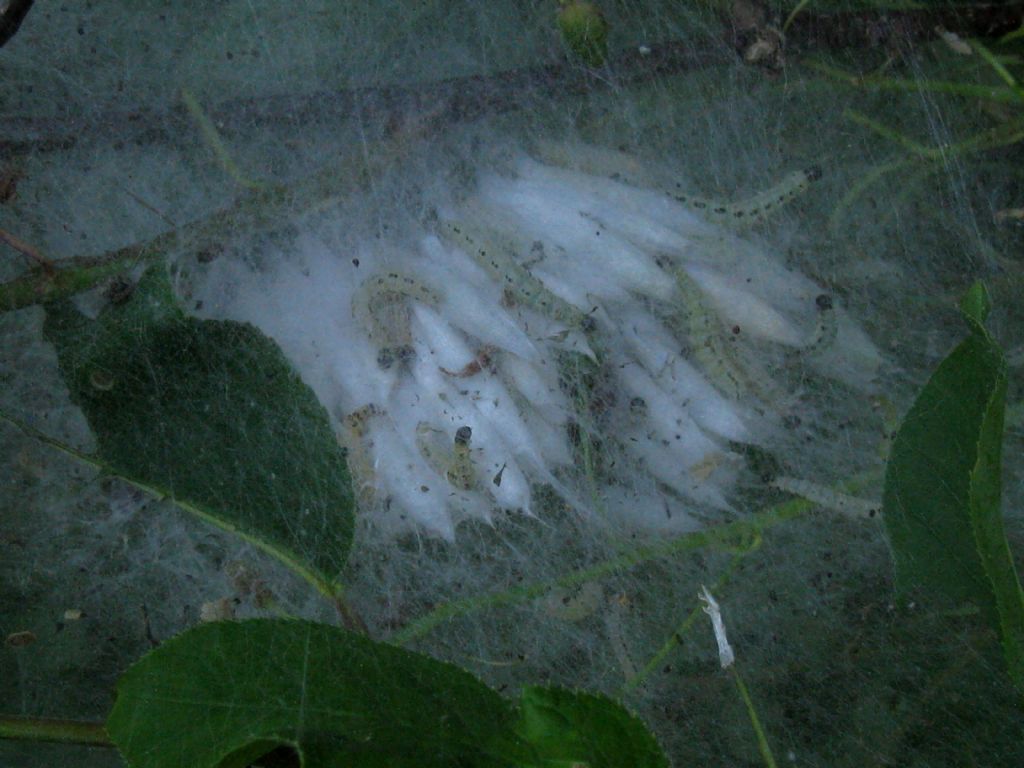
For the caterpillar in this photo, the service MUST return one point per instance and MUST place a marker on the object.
(825, 497)
(455, 464)
(356, 426)
(755, 208)
(380, 306)
(461, 474)
(621, 167)
(638, 409)
(696, 323)
(496, 254)
(826, 328)
(357, 421)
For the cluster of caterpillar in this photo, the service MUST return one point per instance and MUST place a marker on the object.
(598, 261)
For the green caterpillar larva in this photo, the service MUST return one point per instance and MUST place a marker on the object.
(754, 208)
(700, 327)
(497, 256)
(619, 166)
(356, 427)
(381, 307)
(825, 497)
(454, 463)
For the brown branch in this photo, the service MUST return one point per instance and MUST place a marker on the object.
(30, 251)
(260, 210)
(466, 98)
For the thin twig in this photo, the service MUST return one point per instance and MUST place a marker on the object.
(755, 721)
(676, 638)
(350, 619)
(60, 731)
(733, 537)
(258, 210)
(1000, 136)
(28, 250)
(999, 94)
(147, 628)
(213, 139)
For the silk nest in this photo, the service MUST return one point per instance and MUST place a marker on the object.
(568, 327)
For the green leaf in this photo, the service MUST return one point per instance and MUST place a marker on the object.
(976, 304)
(210, 414)
(573, 728)
(943, 488)
(225, 693)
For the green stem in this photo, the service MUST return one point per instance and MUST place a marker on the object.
(998, 68)
(755, 721)
(62, 731)
(737, 535)
(986, 92)
(212, 137)
(681, 631)
(914, 147)
(37, 286)
(835, 220)
(794, 13)
(908, 186)
(53, 442)
(1008, 133)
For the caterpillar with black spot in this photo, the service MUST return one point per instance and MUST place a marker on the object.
(461, 474)
(497, 256)
(826, 328)
(826, 497)
(380, 306)
(755, 208)
(454, 463)
(619, 166)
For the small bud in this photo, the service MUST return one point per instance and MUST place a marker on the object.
(584, 31)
